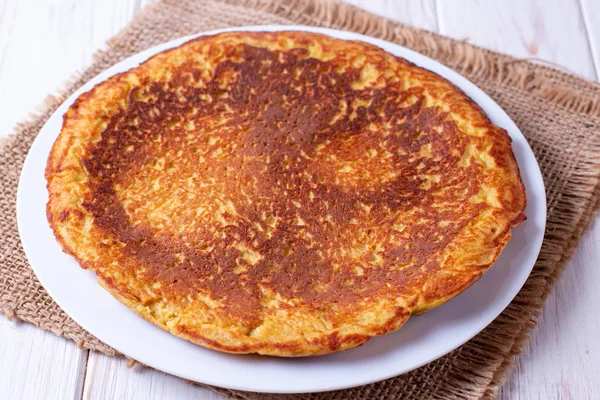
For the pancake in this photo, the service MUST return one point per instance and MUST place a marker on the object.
(286, 193)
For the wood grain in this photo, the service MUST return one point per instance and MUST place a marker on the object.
(563, 356)
(418, 13)
(110, 378)
(590, 11)
(551, 30)
(35, 363)
(42, 42)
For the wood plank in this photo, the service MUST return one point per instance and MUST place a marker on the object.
(551, 30)
(37, 364)
(42, 43)
(590, 9)
(109, 378)
(7, 11)
(563, 358)
(419, 13)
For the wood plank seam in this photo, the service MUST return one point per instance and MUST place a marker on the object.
(438, 16)
(79, 390)
(589, 37)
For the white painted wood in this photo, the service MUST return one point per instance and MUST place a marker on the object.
(418, 13)
(110, 378)
(37, 364)
(43, 41)
(590, 9)
(551, 30)
(563, 358)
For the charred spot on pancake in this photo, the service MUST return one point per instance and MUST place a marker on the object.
(281, 193)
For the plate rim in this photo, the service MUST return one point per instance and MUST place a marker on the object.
(419, 59)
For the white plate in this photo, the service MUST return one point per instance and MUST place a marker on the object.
(421, 340)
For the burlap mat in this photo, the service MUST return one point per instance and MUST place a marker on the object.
(559, 114)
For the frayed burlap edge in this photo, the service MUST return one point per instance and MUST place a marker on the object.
(560, 89)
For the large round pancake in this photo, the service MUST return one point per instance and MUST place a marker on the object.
(281, 193)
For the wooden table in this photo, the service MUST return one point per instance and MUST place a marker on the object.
(42, 42)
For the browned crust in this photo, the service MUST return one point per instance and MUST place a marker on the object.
(438, 282)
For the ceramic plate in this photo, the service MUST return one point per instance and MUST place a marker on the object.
(421, 340)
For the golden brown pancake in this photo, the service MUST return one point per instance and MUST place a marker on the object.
(281, 193)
